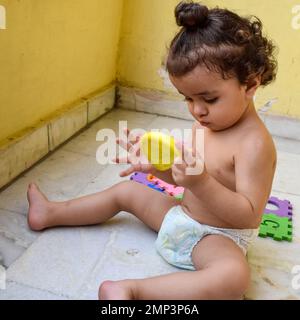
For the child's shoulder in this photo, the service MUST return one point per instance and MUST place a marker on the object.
(256, 144)
(257, 136)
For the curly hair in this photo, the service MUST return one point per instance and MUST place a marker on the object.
(223, 41)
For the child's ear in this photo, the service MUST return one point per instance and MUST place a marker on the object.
(252, 86)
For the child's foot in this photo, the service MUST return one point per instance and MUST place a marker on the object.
(116, 290)
(38, 208)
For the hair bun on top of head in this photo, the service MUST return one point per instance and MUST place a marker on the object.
(191, 15)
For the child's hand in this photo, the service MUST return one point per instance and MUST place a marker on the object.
(188, 168)
(134, 157)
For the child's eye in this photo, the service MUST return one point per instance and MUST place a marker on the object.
(211, 101)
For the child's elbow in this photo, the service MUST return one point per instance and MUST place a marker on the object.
(256, 220)
(255, 225)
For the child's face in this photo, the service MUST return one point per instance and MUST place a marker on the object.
(223, 104)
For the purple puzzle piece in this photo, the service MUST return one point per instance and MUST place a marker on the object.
(284, 207)
(140, 177)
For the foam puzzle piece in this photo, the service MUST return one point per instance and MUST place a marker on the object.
(161, 185)
(155, 187)
(139, 177)
(169, 188)
(279, 228)
(151, 178)
(284, 207)
(175, 190)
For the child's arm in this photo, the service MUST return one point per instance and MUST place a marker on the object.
(254, 171)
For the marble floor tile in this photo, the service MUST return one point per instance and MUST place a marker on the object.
(61, 259)
(64, 263)
(15, 236)
(162, 122)
(16, 291)
(287, 145)
(105, 179)
(10, 251)
(60, 176)
(287, 175)
(14, 226)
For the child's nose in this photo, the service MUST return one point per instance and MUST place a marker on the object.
(200, 110)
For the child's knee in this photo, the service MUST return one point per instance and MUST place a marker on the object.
(238, 276)
(125, 190)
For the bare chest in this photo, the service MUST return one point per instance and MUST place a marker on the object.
(219, 159)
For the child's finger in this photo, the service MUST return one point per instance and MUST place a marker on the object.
(130, 137)
(127, 172)
(175, 167)
(133, 168)
(135, 135)
(185, 152)
(179, 164)
(189, 158)
(180, 147)
(121, 160)
(199, 153)
(123, 144)
(177, 160)
(126, 131)
(135, 152)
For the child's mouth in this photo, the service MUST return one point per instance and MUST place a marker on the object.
(203, 123)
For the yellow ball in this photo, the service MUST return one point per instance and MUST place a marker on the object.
(159, 149)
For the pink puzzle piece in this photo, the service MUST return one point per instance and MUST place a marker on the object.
(169, 188)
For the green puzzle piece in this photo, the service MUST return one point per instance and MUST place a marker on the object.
(278, 228)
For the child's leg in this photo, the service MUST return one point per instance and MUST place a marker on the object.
(222, 273)
(96, 208)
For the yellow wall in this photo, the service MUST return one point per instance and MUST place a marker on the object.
(148, 26)
(52, 53)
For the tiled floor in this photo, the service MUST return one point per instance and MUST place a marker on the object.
(70, 263)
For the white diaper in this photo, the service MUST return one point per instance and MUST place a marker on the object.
(179, 234)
